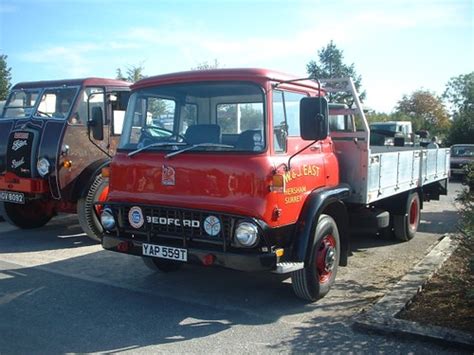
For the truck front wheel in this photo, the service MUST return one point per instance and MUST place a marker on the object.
(32, 214)
(315, 280)
(405, 226)
(88, 213)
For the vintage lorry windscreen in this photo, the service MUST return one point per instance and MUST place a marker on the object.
(211, 116)
(42, 103)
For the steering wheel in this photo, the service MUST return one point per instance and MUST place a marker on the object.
(44, 113)
(153, 132)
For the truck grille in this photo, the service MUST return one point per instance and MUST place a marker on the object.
(173, 223)
(20, 151)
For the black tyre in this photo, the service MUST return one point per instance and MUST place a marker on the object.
(315, 280)
(405, 226)
(88, 213)
(162, 265)
(32, 214)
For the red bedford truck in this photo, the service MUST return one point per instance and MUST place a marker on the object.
(248, 170)
(48, 161)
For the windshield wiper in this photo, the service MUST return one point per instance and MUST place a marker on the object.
(158, 144)
(170, 155)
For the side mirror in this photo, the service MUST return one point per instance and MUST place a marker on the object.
(96, 123)
(314, 114)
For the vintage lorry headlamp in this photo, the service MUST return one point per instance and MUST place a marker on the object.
(246, 234)
(107, 219)
(43, 166)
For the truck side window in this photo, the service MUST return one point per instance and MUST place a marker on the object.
(292, 108)
(80, 115)
(119, 107)
(280, 128)
(188, 117)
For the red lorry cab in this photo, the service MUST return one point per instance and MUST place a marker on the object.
(233, 180)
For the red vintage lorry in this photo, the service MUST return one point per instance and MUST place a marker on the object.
(250, 169)
(49, 162)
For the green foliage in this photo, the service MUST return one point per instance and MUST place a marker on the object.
(426, 111)
(466, 201)
(134, 73)
(207, 66)
(460, 95)
(5, 77)
(330, 65)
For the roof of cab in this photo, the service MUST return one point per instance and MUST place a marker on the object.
(243, 74)
(72, 82)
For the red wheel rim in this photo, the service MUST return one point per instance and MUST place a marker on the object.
(102, 197)
(326, 258)
(414, 214)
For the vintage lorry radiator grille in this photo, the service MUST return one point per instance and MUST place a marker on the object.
(20, 153)
(179, 224)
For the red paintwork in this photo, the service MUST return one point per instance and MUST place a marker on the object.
(11, 182)
(328, 244)
(414, 214)
(223, 182)
(72, 82)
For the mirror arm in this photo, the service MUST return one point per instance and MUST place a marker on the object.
(288, 167)
(95, 144)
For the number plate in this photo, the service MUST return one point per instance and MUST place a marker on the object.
(15, 197)
(160, 251)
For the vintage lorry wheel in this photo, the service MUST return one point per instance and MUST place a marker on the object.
(32, 214)
(88, 213)
(162, 265)
(405, 226)
(314, 281)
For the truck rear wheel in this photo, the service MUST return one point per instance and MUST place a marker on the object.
(32, 214)
(405, 226)
(162, 265)
(315, 280)
(88, 213)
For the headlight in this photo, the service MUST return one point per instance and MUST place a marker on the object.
(246, 234)
(43, 166)
(107, 219)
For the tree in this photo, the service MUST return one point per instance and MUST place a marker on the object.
(331, 65)
(5, 77)
(206, 65)
(460, 95)
(426, 111)
(134, 73)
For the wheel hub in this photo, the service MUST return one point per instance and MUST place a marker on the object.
(326, 258)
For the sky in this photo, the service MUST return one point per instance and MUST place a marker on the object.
(397, 46)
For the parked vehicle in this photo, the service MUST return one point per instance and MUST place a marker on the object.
(461, 156)
(48, 161)
(250, 177)
(399, 133)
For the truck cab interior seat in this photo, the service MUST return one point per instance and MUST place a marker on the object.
(250, 140)
(203, 133)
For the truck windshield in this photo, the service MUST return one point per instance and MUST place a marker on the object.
(384, 127)
(40, 103)
(20, 103)
(223, 116)
(462, 151)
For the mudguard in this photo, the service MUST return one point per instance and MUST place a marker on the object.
(88, 176)
(330, 200)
